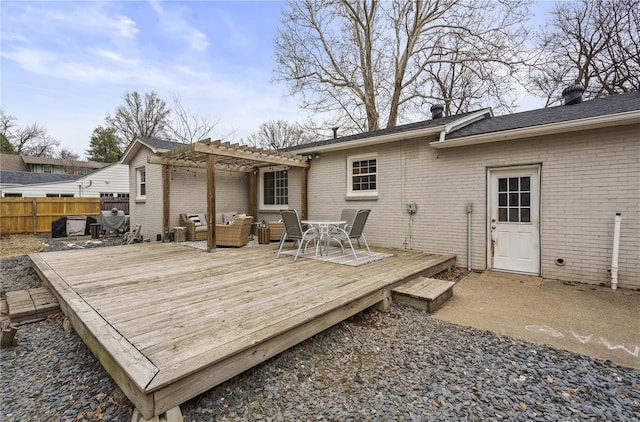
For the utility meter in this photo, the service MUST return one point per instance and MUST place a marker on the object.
(412, 207)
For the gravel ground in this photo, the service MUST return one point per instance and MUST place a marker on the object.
(395, 366)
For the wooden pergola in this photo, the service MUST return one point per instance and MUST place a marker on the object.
(218, 155)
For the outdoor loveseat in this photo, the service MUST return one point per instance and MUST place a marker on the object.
(234, 233)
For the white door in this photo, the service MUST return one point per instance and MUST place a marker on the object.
(514, 219)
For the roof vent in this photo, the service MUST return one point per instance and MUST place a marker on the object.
(572, 94)
(335, 132)
(437, 111)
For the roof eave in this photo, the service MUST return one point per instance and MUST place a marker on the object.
(375, 140)
(133, 148)
(619, 119)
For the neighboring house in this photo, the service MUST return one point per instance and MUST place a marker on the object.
(533, 192)
(111, 180)
(11, 162)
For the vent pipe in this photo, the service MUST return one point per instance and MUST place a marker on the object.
(335, 132)
(572, 94)
(437, 111)
(616, 248)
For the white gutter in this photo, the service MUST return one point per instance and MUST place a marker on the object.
(626, 118)
(399, 136)
(374, 140)
(466, 120)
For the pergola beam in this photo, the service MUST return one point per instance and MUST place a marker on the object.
(217, 155)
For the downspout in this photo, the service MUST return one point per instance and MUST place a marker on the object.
(469, 211)
(614, 255)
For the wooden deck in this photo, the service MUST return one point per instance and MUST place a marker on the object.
(169, 322)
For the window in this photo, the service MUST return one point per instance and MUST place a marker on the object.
(142, 183)
(362, 175)
(274, 189)
(514, 199)
(46, 168)
(13, 195)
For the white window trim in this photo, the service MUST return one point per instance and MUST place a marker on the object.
(138, 183)
(368, 194)
(262, 205)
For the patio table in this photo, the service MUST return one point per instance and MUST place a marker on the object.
(323, 228)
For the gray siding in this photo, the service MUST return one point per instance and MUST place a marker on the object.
(586, 178)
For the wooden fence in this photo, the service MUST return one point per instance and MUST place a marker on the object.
(35, 215)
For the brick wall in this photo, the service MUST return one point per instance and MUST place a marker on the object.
(586, 177)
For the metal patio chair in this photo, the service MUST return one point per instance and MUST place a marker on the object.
(293, 231)
(353, 231)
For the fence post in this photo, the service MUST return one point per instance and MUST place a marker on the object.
(35, 216)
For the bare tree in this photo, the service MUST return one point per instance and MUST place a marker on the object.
(188, 127)
(277, 134)
(372, 62)
(138, 116)
(67, 154)
(27, 140)
(594, 43)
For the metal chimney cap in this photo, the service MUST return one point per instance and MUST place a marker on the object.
(573, 94)
(436, 111)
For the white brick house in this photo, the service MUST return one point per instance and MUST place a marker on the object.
(540, 189)
(543, 186)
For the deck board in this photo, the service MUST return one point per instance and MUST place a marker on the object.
(196, 319)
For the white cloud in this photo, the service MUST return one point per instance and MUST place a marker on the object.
(173, 22)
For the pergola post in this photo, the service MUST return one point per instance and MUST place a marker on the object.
(166, 201)
(211, 203)
(253, 194)
(303, 193)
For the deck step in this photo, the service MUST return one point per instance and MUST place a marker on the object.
(31, 305)
(426, 294)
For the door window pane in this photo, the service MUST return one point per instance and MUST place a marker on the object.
(502, 185)
(513, 215)
(514, 199)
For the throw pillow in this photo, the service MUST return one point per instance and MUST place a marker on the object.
(195, 218)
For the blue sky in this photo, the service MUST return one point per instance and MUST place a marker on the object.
(66, 64)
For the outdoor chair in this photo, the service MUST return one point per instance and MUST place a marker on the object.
(133, 236)
(236, 233)
(293, 231)
(348, 214)
(353, 231)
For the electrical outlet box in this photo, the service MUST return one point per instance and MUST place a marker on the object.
(412, 207)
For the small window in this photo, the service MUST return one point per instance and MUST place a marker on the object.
(514, 199)
(274, 189)
(53, 195)
(362, 175)
(142, 183)
(13, 195)
(66, 195)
